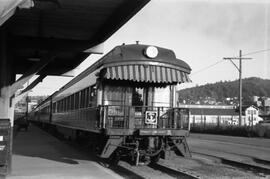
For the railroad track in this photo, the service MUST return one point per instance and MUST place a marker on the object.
(157, 170)
(177, 173)
(257, 166)
(124, 172)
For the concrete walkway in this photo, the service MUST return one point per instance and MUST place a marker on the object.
(38, 155)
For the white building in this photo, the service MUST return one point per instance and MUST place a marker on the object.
(251, 116)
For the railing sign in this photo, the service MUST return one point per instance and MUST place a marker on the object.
(151, 117)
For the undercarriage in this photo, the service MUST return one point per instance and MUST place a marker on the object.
(142, 150)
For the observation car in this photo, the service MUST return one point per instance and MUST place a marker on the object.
(125, 104)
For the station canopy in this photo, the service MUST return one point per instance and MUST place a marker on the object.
(66, 29)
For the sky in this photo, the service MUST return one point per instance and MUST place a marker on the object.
(200, 32)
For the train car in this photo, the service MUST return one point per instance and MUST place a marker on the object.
(126, 103)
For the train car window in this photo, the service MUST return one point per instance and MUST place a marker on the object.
(93, 90)
(93, 96)
(162, 97)
(64, 104)
(150, 96)
(89, 104)
(69, 103)
(114, 95)
(57, 106)
(54, 107)
(77, 99)
(82, 98)
(72, 101)
(137, 97)
(87, 97)
(61, 106)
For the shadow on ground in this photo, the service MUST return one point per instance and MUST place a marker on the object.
(38, 143)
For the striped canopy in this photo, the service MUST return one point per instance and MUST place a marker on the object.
(147, 73)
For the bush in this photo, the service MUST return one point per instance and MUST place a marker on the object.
(244, 131)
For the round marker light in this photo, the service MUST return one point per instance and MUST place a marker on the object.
(151, 52)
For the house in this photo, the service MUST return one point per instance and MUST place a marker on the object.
(251, 116)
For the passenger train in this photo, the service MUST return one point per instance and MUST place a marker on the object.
(125, 103)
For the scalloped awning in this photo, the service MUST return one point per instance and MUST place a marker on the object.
(147, 73)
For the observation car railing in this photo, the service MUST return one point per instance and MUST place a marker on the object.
(138, 117)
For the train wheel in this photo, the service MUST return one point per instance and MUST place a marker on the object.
(114, 158)
(155, 158)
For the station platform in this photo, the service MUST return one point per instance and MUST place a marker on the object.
(38, 155)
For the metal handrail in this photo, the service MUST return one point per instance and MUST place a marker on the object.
(121, 116)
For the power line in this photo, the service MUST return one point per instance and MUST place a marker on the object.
(258, 51)
(207, 67)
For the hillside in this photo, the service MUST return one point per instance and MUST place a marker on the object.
(220, 91)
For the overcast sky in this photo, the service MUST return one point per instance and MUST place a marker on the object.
(200, 32)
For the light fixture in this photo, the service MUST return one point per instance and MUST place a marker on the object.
(151, 52)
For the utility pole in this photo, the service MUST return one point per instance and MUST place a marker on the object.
(240, 58)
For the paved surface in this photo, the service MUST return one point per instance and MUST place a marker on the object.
(254, 141)
(38, 155)
(240, 149)
(251, 147)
